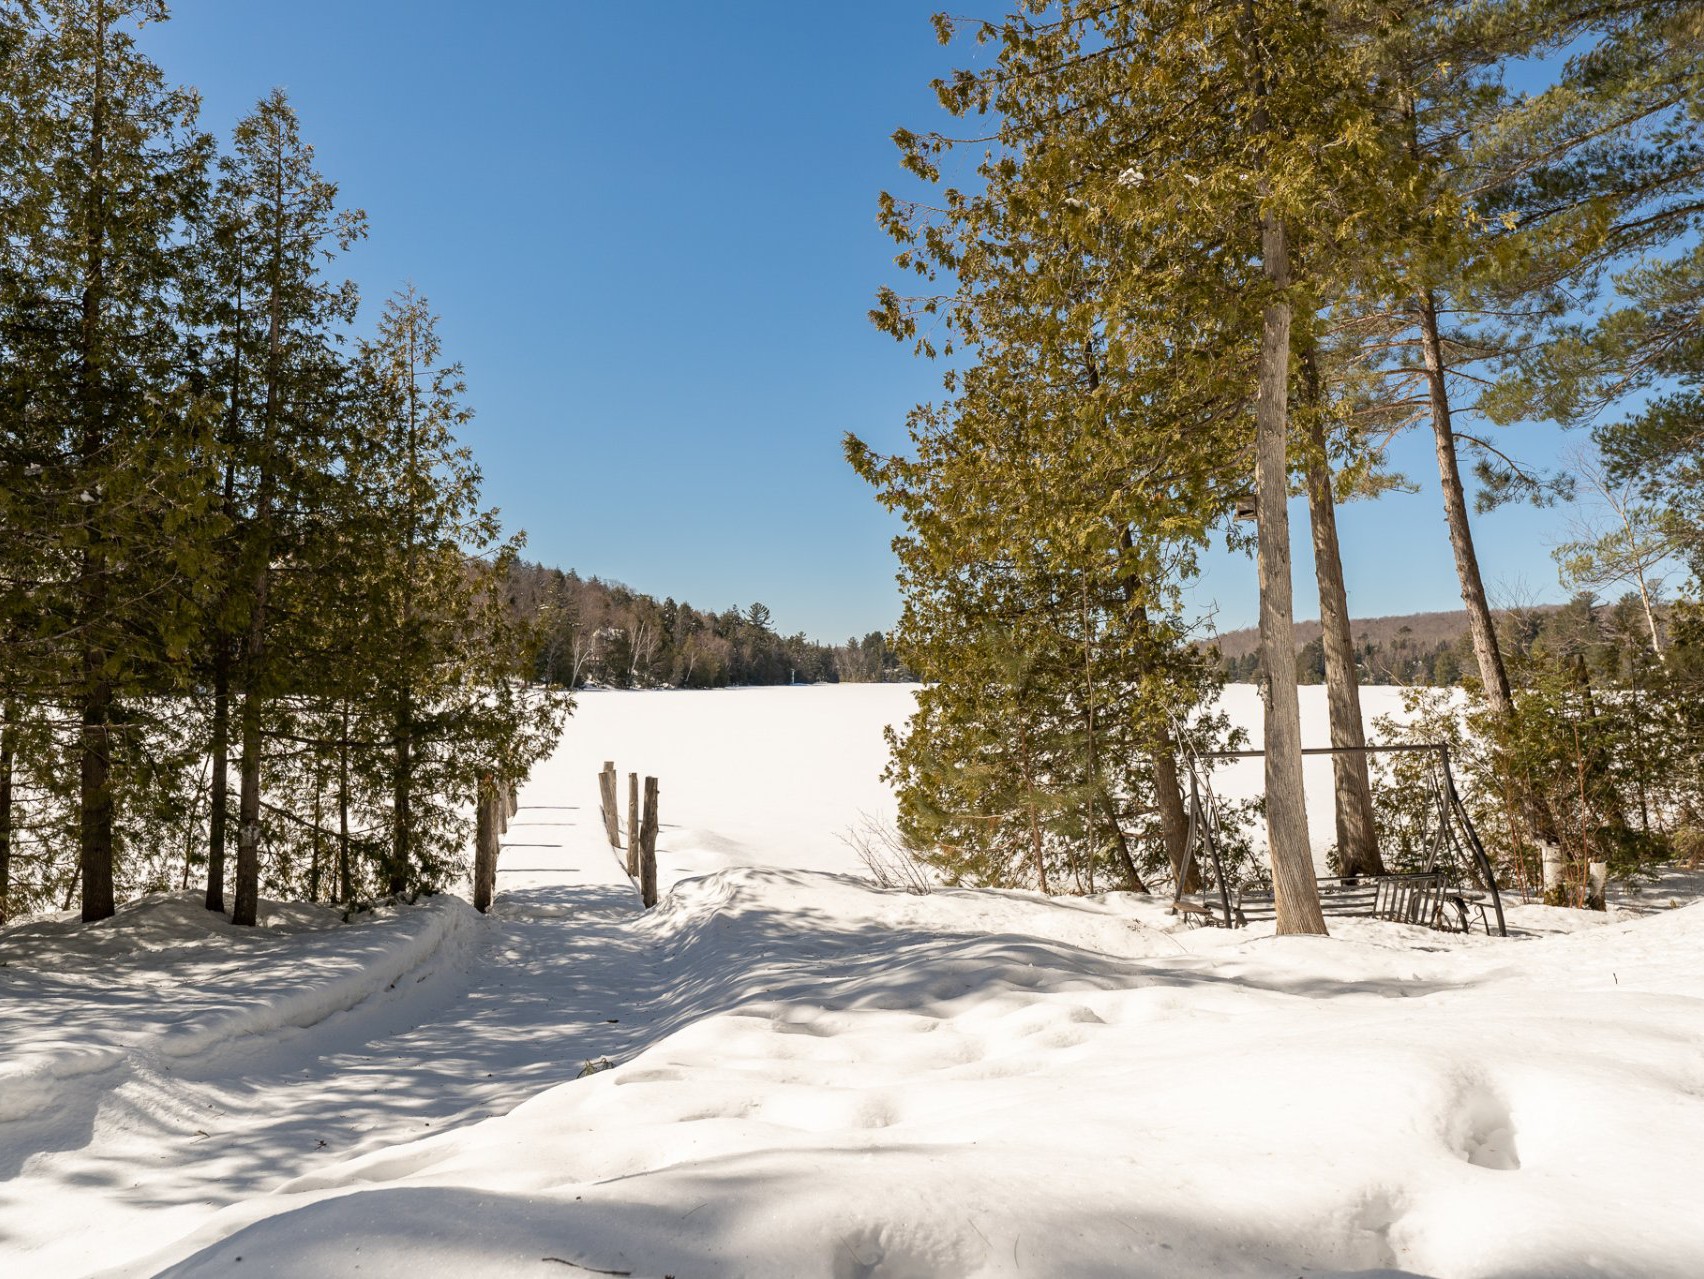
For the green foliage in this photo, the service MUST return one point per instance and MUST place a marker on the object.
(206, 497)
(106, 529)
(1038, 620)
(1108, 276)
(1100, 276)
(1658, 343)
(1029, 760)
(439, 680)
(1607, 734)
(590, 631)
(1405, 796)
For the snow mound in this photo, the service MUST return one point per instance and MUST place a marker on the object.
(784, 1071)
(176, 922)
(865, 1083)
(165, 977)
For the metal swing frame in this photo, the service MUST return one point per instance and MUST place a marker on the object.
(1422, 897)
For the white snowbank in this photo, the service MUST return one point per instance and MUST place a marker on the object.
(813, 1077)
(167, 977)
(976, 1084)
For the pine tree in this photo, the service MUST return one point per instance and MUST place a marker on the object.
(1516, 207)
(444, 673)
(1155, 170)
(108, 436)
(274, 322)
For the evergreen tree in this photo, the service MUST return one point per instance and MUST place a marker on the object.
(1029, 614)
(274, 322)
(106, 436)
(445, 672)
(199, 490)
(1156, 170)
(1516, 204)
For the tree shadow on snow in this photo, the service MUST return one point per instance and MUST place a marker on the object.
(746, 1223)
(560, 980)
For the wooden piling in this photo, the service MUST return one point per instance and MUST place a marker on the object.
(648, 847)
(633, 824)
(485, 846)
(1554, 892)
(606, 793)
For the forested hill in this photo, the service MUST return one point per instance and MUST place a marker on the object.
(598, 632)
(1412, 648)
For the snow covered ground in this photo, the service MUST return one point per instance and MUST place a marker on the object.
(783, 1071)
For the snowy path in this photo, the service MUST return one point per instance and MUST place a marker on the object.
(866, 1085)
(190, 1066)
(219, 1098)
(814, 1077)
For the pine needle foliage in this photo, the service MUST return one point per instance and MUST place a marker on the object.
(227, 535)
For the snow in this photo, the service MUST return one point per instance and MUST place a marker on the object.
(752, 776)
(784, 1071)
(1245, 778)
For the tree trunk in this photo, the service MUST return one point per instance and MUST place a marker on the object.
(217, 822)
(95, 801)
(402, 775)
(1120, 845)
(94, 828)
(1650, 618)
(1492, 673)
(1035, 848)
(259, 557)
(220, 785)
(485, 844)
(402, 795)
(1295, 891)
(1168, 795)
(314, 862)
(5, 815)
(1357, 837)
(1039, 861)
(1174, 821)
(1099, 798)
(345, 872)
(245, 897)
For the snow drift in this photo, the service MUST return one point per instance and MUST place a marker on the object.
(983, 1084)
(784, 1071)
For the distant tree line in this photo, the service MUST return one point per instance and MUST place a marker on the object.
(1401, 660)
(252, 625)
(1411, 652)
(591, 632)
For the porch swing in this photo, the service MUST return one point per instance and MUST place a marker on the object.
(1456, 886)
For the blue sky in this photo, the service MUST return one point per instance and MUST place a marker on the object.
(650, 231)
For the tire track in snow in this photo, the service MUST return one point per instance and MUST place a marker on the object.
(318, 1048)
